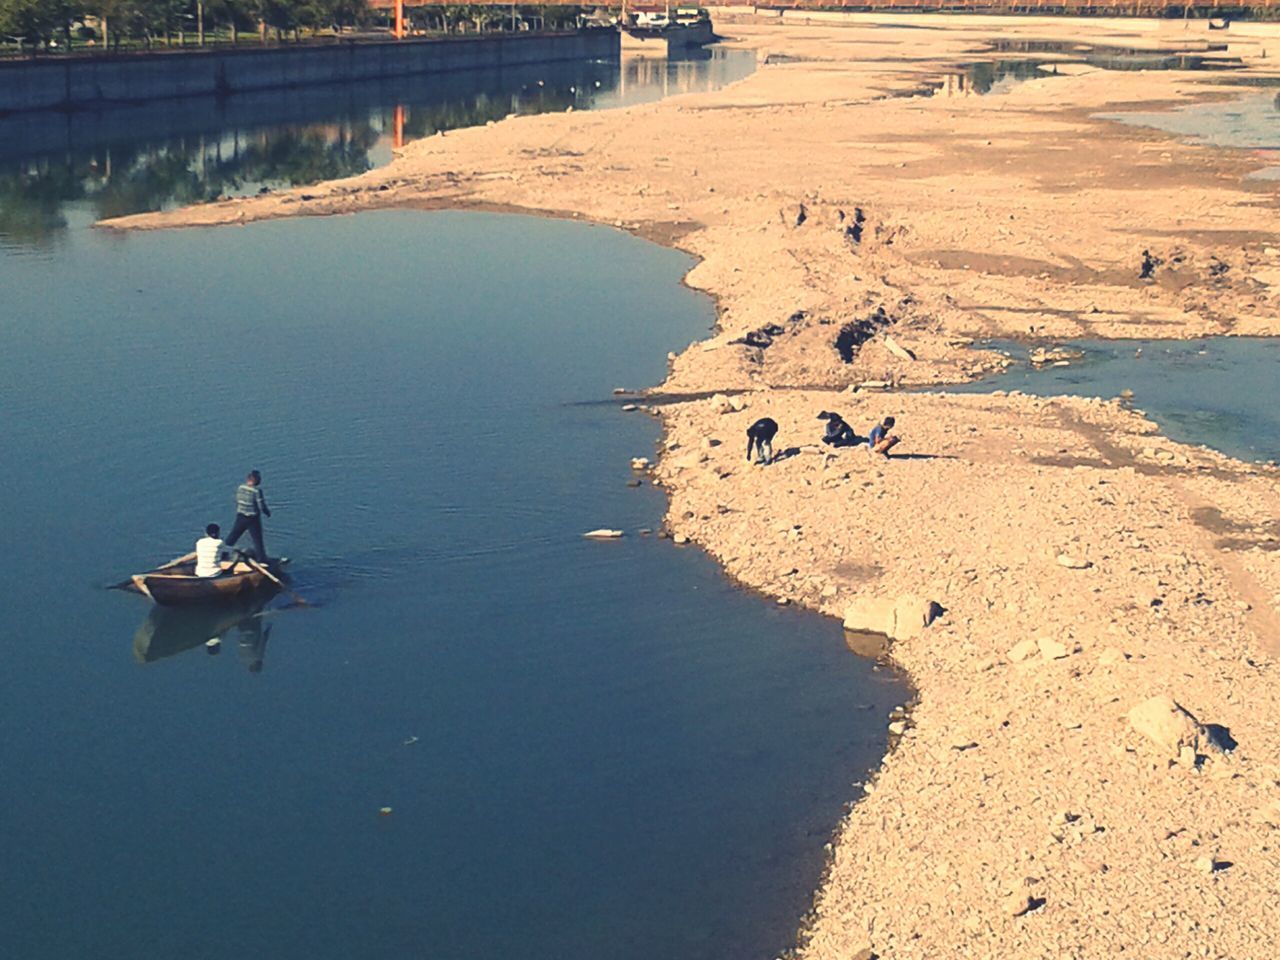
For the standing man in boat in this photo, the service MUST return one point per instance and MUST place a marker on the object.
(251, 507)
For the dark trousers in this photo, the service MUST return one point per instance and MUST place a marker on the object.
(254, 526)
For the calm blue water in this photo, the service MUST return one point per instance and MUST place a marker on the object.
(618, 754)
(1223, 392)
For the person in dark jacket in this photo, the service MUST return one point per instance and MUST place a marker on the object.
(251, 507)
(760, 437)
(838, 433)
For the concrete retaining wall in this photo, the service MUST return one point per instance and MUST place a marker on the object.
(88, 81)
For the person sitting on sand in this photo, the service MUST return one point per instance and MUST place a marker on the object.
(838, 433)
(880, 439)
(211, 552)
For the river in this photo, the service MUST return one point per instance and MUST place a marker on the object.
(587, 749)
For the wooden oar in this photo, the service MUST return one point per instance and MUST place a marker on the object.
(273, 578)
(176, 561)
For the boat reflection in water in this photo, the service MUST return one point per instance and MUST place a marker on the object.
(171, 630)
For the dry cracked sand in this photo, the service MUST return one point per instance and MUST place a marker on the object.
(1108, 598)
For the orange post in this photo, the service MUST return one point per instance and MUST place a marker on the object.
(399, 19)
(398, 135)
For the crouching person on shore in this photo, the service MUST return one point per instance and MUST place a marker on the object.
(838, 433)
(760, 438)
(881, 440)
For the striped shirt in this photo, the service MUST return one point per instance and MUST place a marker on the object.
(250, 501)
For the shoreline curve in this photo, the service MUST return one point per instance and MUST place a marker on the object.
(1088, 566)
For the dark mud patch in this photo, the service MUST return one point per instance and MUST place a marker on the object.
(1236, 536)
(857, 332)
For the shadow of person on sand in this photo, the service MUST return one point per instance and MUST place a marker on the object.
(920, 456)
(786, 454)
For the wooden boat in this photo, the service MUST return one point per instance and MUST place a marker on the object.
(175, 584)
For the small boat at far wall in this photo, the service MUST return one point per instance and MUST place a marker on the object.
(176, 585)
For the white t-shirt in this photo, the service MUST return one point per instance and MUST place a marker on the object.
(209, 550)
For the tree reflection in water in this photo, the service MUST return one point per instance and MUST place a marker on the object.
(31, 201)
(158, 174)
(138, 158)
(154, 175)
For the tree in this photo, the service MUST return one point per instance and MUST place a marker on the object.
(557, 17)
(280, 15)
(348, 13)
(38, 22)
(116, 17)
(483, 14)
(140, 19)
(454, 15)
(164, 17)
(291, 15)
(316, 14)
(235, 15)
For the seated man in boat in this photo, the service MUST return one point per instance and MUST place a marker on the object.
(211, 553)
(881, 440)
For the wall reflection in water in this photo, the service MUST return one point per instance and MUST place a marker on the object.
(56, 168)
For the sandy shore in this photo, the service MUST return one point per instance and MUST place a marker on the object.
(1085, 564)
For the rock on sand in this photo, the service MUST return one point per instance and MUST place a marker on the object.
(1171, 727)
(899, 619)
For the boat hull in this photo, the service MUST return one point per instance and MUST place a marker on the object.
(180, 587)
